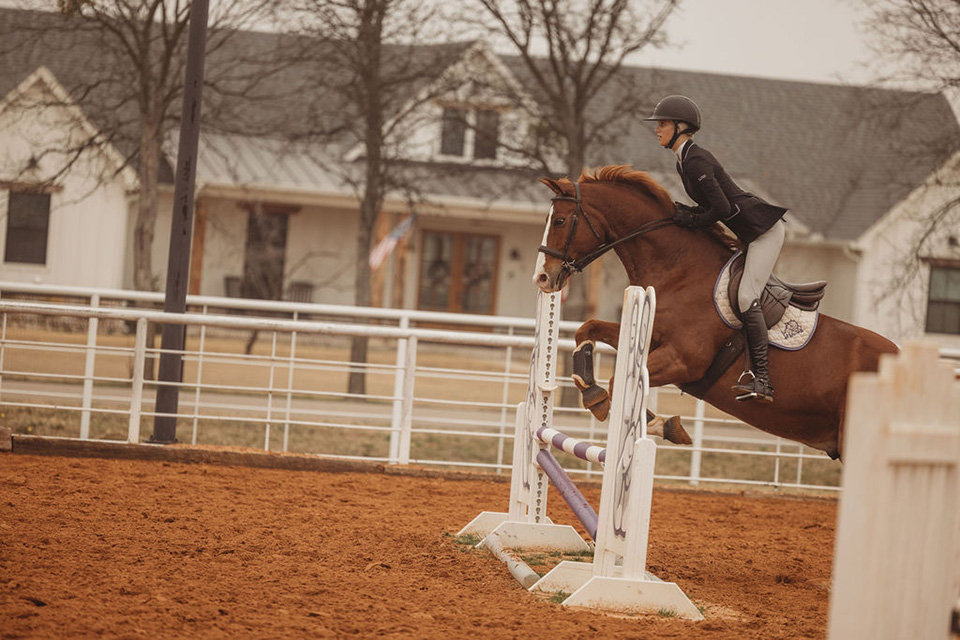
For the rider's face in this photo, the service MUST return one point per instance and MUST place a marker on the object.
(664, 131)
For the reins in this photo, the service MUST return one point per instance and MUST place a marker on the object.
(576, 266)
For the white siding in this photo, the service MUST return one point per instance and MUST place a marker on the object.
(88, 212)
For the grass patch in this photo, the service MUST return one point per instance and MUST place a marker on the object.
(467, 541)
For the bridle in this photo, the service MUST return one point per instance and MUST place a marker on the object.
(578, 265)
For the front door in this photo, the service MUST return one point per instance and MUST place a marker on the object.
(458, 272)
(264, 255)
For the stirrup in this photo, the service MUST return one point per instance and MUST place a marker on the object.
(752, 387)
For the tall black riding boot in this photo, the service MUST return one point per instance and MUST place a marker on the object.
(755, 381)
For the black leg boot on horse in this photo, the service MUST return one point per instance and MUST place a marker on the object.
(597, 400)
(754, 382)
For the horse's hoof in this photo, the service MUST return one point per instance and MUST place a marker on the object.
(597, 400)
(601, 411)
(674, 432)
(592, 395)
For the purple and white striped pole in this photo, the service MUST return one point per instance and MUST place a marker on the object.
(578, 448)
(569, 492)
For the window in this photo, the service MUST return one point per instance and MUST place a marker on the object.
(458, 272)
(943, 300)
(488, 129)
(28, 223)
(454, 129)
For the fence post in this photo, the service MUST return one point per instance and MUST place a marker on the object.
(504, 398)
(136, 390)
(896, 571)
(88, 369)
(697, 456)
(406, 418)
(292, 363)
(397, 415)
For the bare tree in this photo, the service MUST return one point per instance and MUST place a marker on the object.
(123, 63)
(570, 54)
(917, 43)
(372, 73)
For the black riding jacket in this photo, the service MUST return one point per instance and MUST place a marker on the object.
(719, 197)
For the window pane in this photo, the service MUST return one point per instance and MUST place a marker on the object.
(938, 283)
(435, 271)
(951, 318)
(943, 317)
(953, 285)
(935, 317)
(28, 220)
(488, 129)
(454, 127)
(479, 267)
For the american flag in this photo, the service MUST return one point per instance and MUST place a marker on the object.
(385, 246)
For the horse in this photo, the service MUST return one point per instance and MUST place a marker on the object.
(625, 210)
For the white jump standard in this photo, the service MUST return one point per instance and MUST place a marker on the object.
(617, 579)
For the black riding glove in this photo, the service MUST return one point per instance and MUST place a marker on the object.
(685, 217)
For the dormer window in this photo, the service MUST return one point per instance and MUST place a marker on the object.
(488, 131)
(461, 126)
(454, 132)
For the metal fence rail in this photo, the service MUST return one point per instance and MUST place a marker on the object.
(434, 396)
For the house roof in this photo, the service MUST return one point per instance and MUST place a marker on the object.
(839, 157)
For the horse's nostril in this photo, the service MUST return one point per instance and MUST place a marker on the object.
(542, 278)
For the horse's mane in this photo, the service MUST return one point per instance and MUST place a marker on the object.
(641, 180)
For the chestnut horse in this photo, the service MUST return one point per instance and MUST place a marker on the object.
(627, 211)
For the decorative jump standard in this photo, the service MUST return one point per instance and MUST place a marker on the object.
(617, 579)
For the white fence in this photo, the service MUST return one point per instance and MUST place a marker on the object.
(433, 396)
(897, 567)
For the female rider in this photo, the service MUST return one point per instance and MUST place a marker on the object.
(756, 223)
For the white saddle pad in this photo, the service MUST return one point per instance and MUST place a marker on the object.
(792, 332)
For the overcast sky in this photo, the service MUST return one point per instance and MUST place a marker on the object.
(816, 40)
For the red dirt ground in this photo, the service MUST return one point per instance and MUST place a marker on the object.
(127, 548)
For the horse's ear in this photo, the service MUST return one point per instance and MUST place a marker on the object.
(553, 184)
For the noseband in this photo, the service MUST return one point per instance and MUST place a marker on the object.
(578, 265)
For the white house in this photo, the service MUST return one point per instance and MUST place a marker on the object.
(56, 206)
(841, 158)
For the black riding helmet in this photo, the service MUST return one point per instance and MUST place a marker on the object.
(678, 109)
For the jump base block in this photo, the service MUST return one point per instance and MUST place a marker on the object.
(625, 595)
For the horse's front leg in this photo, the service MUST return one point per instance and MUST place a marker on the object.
(597, 399)
(593, 397)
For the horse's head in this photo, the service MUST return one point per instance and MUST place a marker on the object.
(578, 232)
(570, 233)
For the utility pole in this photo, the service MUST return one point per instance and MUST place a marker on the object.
(173, 336)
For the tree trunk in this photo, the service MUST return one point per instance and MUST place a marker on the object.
(357, 382)
(369, 39)
(145, 224)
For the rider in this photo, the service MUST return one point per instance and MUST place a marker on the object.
(756, 223)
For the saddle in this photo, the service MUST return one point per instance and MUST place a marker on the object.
(777, 294)
(777, 297)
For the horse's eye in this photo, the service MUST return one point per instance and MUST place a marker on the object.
(558, 222)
